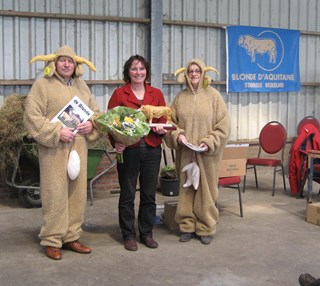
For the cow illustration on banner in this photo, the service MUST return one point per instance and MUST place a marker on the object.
(262, 59)
(255, 46)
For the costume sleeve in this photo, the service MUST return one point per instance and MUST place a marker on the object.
(218, 137)
(37, 124)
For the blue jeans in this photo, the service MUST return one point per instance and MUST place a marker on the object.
(143, 162)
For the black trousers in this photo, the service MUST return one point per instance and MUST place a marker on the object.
(143, 162)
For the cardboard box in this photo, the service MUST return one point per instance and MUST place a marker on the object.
(170, 208)
(234, 160)
(313, 213)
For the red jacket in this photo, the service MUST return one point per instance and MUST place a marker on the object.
(296, 156)
(124, 96)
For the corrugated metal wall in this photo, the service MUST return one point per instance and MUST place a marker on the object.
(108, 32)
(106, 43)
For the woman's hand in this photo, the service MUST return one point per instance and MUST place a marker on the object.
(85, 128)
(159, 129)
(181, 138)
(205, 146)
(67, 135)
(119, 147)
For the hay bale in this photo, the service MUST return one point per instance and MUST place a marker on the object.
(12, 131)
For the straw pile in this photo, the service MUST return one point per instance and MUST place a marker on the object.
(12, 131)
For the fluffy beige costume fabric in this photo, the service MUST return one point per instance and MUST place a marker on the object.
(63, 200)
(201, 116)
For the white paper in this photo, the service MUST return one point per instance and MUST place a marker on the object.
(193, 147)
(238, 145)
(73, 113)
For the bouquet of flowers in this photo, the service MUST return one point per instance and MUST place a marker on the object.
(126, 125)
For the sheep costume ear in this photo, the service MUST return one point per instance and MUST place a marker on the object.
(181, 73)
(51, 60)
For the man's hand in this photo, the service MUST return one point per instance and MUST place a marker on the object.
(85, 128)
(67, 135)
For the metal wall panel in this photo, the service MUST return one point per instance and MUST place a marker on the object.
(249, 111)
(106, 44)
(109, 43)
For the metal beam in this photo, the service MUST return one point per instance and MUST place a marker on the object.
(156, 43)
(60, 16)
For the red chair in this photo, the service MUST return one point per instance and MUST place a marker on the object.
(272, 141)
(233, 183)
(308, 120)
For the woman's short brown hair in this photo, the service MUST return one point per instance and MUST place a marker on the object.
(128, 64)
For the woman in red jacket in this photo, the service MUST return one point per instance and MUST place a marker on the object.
(141, 159)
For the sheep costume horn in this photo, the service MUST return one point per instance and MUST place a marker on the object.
(181, 73)
(51, 59)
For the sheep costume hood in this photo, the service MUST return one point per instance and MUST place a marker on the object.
(182, 76)
(192, 169)
(201, 115)
(51, 60)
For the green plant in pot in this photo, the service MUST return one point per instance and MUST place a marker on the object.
(169, 183)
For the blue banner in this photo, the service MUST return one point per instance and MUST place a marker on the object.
(262, 59)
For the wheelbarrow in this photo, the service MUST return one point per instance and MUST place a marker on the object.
(94, 156)
(25, 176)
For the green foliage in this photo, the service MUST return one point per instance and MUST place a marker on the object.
(125, 124)
(169, 172)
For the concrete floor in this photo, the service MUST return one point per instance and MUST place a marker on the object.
(271, 245)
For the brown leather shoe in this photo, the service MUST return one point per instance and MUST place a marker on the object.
(53, 252)
(76, 246)
(149, 242)
(131, 245)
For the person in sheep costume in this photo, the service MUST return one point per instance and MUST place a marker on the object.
(202, 119)
(63, 179)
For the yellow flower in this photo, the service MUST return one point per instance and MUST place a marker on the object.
(128, 119)
(116, 122)
(47, 70)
